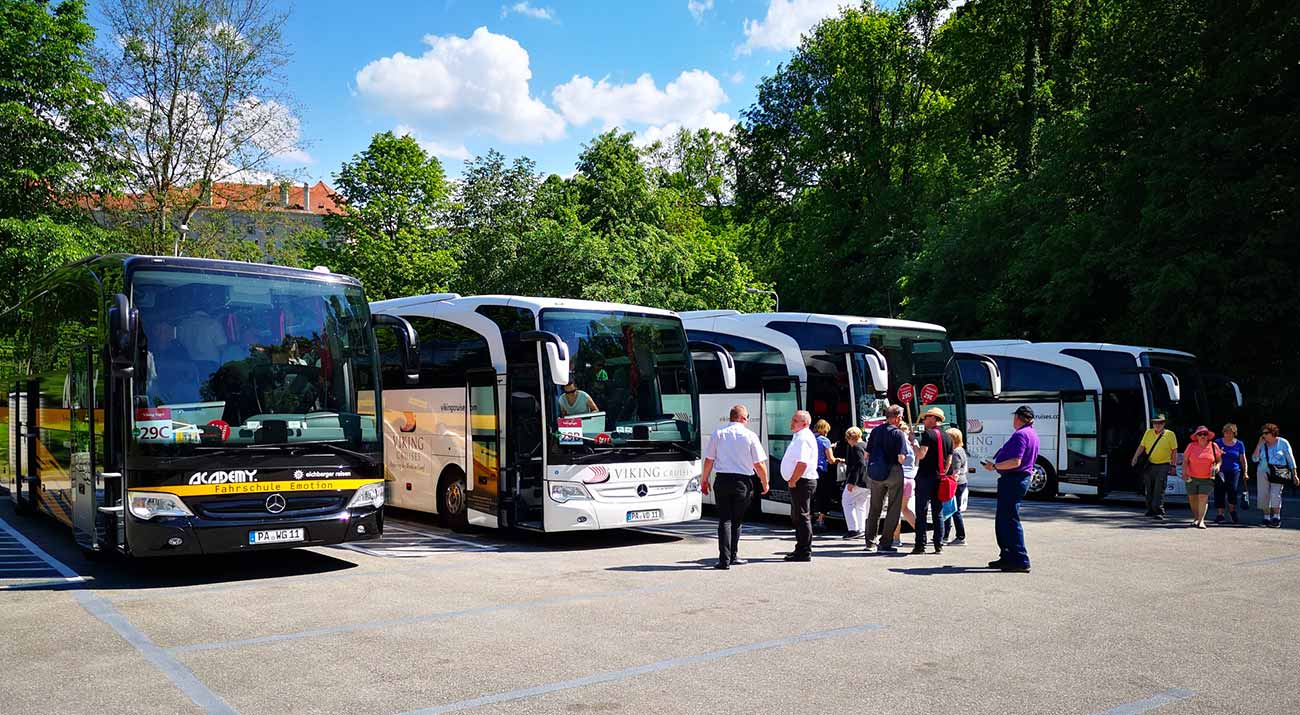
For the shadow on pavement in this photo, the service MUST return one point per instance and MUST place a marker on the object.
(945, 570)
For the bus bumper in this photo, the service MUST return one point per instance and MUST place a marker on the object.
(590, 515)
(155, 537)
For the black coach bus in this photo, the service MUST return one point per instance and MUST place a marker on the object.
(163, 406)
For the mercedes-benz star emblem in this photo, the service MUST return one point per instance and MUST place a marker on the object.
(641, 490)
(275, 504)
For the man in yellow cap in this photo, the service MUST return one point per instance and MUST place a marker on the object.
(932, 457)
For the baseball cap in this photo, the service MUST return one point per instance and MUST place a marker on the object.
(1025, 412)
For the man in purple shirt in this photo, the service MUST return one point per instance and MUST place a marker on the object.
(1014, 463)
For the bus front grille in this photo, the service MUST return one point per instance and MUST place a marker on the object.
(295, 507)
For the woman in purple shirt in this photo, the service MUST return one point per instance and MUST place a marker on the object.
(1014, 463)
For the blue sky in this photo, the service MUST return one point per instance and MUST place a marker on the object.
(537, 78)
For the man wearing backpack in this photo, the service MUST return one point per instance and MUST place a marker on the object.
(886, 450)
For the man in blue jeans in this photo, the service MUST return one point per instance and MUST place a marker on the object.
(1014, 463)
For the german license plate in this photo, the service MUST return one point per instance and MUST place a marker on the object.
(647, 515)
(276, 536)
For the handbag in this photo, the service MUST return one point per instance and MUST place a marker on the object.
(947, 482)
(1278, 474)
(1145, 459)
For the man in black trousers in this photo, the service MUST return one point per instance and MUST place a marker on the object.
(738, 456)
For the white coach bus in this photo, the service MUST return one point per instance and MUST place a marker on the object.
(843, 369)
(485, 435)
(1093, 401)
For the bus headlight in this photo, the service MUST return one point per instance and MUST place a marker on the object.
(693, 485)
(567, 491)
(147, 505)
(368, 495)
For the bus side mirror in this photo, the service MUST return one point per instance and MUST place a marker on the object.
(725, 361)
(556, 351)
(995, 377)
(408, 342)
(123, 323)
(1171, 384)
(878, 369)
(1236, 393)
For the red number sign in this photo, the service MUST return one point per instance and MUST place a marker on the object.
(905, 392)
(603, 438)
(929, 393)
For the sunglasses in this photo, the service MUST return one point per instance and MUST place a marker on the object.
(570, 392)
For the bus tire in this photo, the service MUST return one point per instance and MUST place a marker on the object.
(452, 501)
(1042, 482)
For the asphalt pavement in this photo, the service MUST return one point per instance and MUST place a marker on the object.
(1119, 615)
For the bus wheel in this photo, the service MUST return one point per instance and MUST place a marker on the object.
(452, 501)
(1042, 481)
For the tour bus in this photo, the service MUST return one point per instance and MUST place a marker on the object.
(486, 435)
(1092, 403)
(843, 369)
(166, 406)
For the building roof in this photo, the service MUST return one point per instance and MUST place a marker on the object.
(240, 197)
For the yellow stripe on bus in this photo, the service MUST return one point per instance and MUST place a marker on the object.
(299, 485)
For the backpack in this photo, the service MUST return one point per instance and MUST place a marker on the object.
(947, 482)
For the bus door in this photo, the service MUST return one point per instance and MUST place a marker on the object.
(1081, 462)
(780, 402)
(521, 487)
(483, 455)
(87, 491)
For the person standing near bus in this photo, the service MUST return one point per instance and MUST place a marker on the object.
(1276, 468)
(886, 450)
(1155, 458)
(857, 495)
(737, 454)
(959, 468)
(1014, 463)
(799, 470)
(1232, 473)
(825, 460)
(1201, 462)
(932, 458)
(909, 484)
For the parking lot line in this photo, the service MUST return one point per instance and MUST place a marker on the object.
(102, 610)
(409, 620)
(1148, 704)
(615, 675)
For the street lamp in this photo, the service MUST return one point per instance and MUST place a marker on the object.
(776, 299)
(180, 236)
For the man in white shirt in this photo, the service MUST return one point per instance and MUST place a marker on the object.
(737, 455)
(799, 470)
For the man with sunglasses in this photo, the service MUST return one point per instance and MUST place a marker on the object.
(738, 455)
(575, 401)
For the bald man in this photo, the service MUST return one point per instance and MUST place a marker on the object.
(799, 469)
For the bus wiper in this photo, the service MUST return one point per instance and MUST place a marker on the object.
(297, 448)
(684, 450)
(613, 451)
(209, 452)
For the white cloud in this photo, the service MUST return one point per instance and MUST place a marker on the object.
(537, 13)
(461, 87)
(717, 122)
(736, 77)
(454, 152)
(785, 21)
(947, 12)
(698, 8)
(691, 100)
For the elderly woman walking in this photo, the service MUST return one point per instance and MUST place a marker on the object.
(1201, 462)
(1232, 473)
(1276, 469)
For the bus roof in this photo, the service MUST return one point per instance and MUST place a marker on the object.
(454, 301)
(840, 321)
(139, 262)
(725, 321)
(1134, 350)
(1033, 351)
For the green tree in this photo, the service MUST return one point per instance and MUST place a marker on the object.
(493, 211)
(53, 116)
(395, 199)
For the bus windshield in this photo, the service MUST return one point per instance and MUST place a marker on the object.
(1192, 408)
(230, 359)
(632, 388)
(918, 357)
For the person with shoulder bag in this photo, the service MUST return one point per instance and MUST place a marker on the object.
(1277, 468)
(1202, 461)
(1154, 461)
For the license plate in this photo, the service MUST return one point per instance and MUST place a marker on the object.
(276, 536)
(647, 515)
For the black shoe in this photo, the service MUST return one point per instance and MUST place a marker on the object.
(886, 549)
(1158, 516)
(1218, 519)
(852, 535)
(938, 548)
(1277, 523)
(798, 557)
(1233, 516)
(998, 563)
(1149, 513)
(1012, 568)
(918, 549)
(722, 566)
(738, 562)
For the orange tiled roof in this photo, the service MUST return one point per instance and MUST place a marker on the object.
(240, 197)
